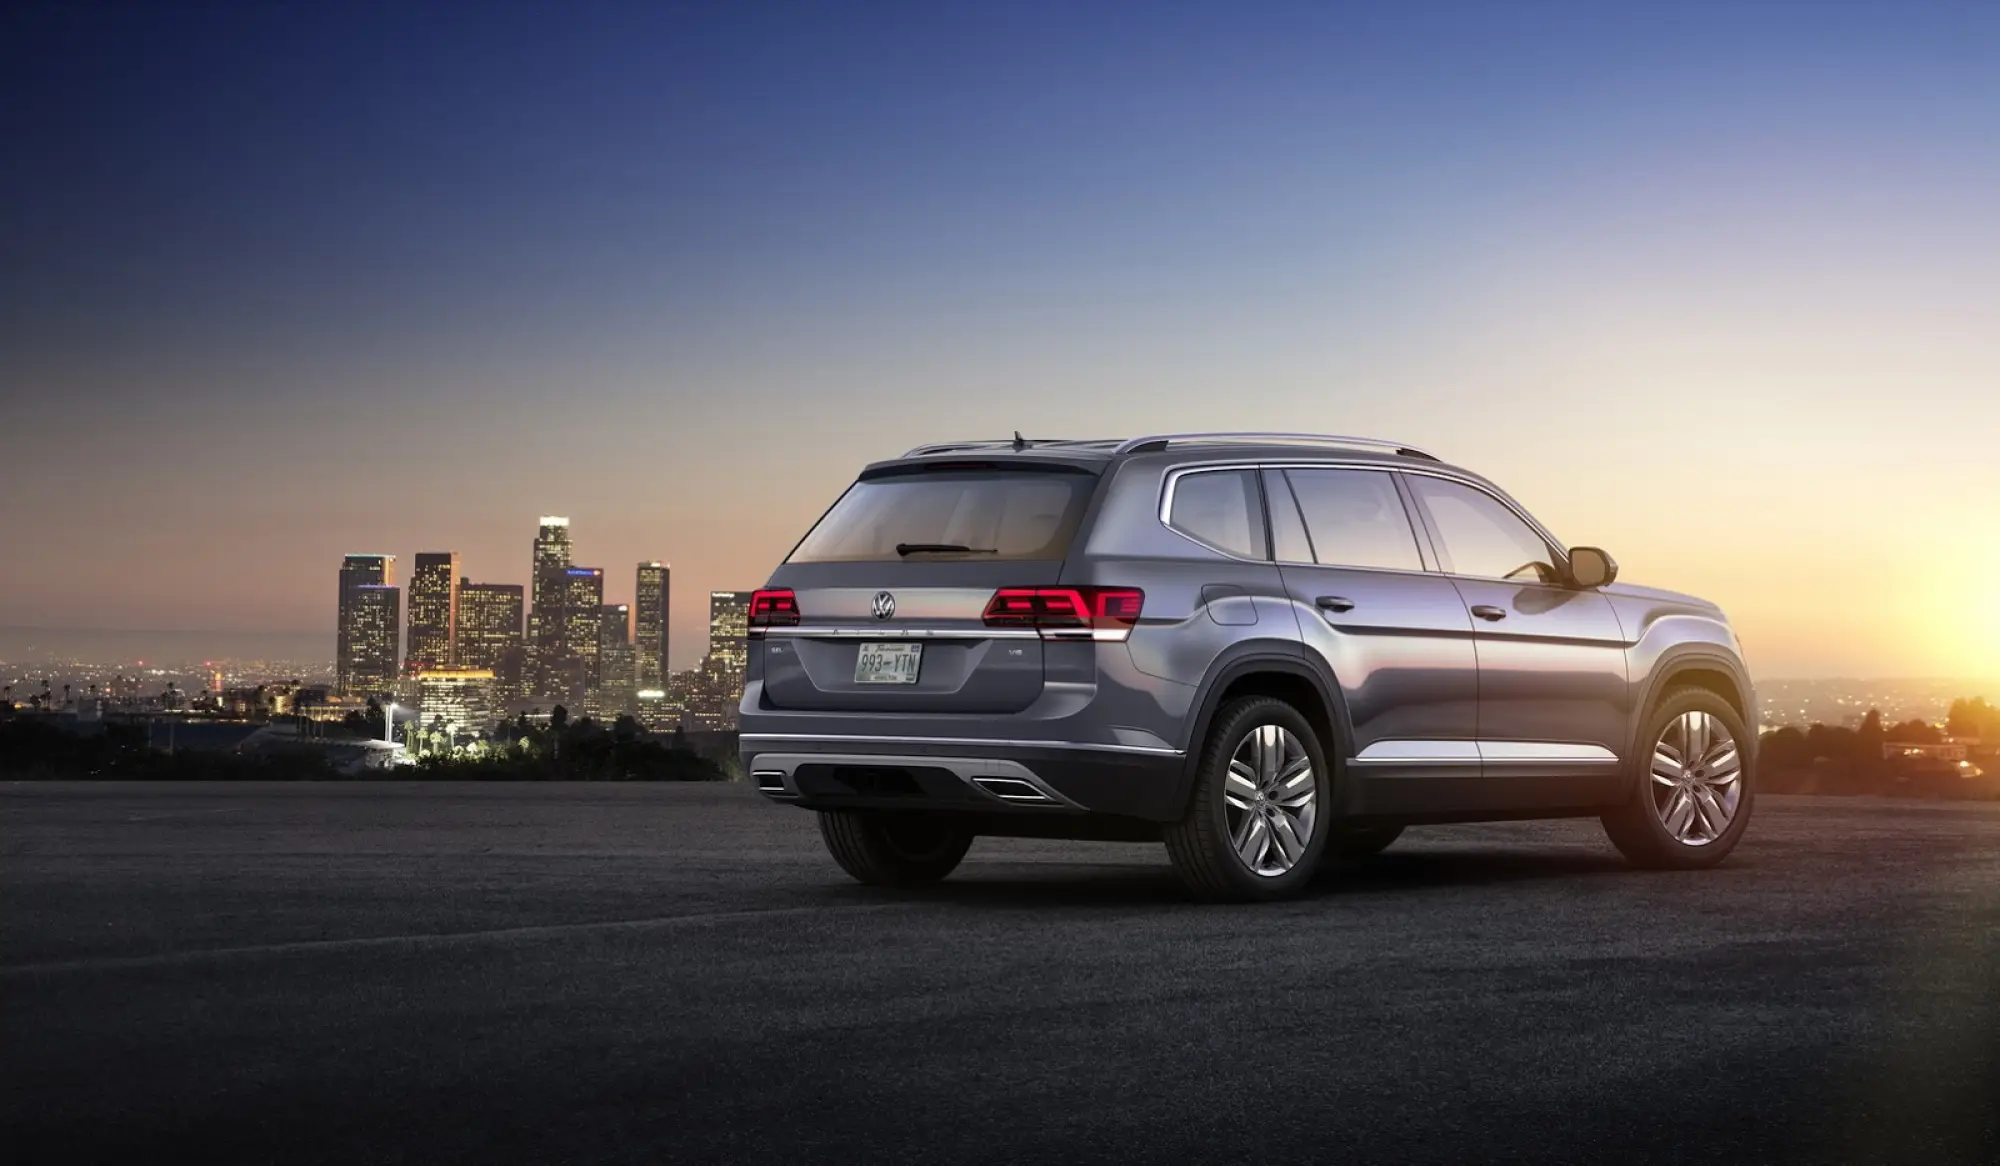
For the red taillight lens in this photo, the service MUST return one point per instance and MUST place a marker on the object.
(1012, 607)
(773, 609)
(1091, 613)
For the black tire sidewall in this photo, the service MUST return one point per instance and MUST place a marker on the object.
(860, 843)
(1251, 713)
(1687, 700)
(938, 842)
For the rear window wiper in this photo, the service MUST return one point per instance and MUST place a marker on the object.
(907, 549)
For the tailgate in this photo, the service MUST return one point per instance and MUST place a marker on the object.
(908, 639)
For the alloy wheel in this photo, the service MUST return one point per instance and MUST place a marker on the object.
(1271, 800)
(1697, 778)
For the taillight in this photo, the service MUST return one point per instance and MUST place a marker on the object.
(773, 609)
(1059, 613)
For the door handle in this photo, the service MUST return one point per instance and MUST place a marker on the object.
(1489, 613)
(1335, 603)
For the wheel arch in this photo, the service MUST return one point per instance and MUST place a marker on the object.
(1268, 671)
(1697, 667)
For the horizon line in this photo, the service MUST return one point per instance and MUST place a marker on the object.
(1994, 679)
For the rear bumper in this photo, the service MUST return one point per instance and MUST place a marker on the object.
(1044, 778)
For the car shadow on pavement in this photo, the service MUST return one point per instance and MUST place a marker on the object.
(1007, 884)
(1426, 869)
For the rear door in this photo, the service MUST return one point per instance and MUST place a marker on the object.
(893, 583)
(1396, 634)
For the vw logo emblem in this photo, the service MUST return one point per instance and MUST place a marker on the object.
(884, 605)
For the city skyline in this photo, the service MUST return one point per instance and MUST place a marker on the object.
(480, 647)
(1712, 288)
(559, 637)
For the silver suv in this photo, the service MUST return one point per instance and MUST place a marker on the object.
(1267, 650)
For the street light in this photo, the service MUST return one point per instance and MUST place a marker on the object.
(389, 724)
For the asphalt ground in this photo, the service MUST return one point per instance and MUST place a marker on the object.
(650, 973)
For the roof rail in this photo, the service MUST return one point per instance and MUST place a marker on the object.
(1163, 440)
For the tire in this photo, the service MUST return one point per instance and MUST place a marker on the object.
(1203, 843)
(893, 849)
(1363, 841)
(1668, 821)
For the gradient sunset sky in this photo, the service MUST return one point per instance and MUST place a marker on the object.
(1715, 286)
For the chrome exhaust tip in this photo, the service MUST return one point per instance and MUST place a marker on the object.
(1014, 790)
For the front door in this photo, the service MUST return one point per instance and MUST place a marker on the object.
(1554, 705)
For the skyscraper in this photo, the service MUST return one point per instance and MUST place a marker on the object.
(613, 690)
(579, 624)
(548, 658)
(372, 639)
(652, 604)
(364, 645)
(729, 629)
(433, 636)
(710, 693)
(489, 632)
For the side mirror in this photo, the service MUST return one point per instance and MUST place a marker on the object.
(1591, 567)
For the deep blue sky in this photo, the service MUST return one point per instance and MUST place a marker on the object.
(288, 281)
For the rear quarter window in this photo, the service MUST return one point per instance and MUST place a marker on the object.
(1221, 508)
(994, 514)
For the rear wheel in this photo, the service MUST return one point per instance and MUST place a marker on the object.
(893, 849)
(1693, 785)
(1255, 827)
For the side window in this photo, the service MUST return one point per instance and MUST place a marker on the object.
(1356, 519)
(1220, 508)
(1482, 537)
(1288, 533)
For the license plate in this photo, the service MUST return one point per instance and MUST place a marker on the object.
(887, 663)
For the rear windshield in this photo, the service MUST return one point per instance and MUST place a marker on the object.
(993, 514)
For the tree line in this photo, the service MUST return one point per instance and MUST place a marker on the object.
(583, 750)
(1792, 748)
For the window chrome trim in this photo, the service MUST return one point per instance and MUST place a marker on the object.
(1419, 537)
(1173, 477)
(1555, 545)
(1167, 507)
(1518, 510)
